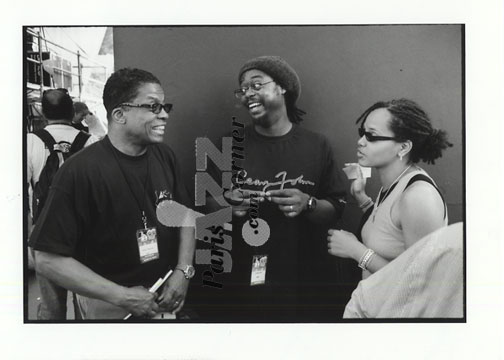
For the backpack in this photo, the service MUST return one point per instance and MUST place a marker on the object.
(58, 153)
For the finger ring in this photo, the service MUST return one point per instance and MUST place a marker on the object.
(292, 207)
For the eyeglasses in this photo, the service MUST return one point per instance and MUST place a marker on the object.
(155, 108)
(371, 138)
(256, 86)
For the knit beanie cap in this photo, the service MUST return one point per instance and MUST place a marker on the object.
(279, 70)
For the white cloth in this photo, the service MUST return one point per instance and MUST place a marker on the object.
(426, 281)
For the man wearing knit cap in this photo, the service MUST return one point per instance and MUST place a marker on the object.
(290, 192)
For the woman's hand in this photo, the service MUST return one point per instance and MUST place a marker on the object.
(344, 244)
(358, 186)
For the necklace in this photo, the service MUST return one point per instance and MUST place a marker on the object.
(379, 197)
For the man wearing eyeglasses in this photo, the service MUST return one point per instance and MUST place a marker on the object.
(99, 235)
(291, 174)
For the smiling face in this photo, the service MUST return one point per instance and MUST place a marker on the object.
(262, 104)
(142, 126)
(378, 153)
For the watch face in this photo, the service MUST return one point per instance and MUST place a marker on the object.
(312, 203)
(190, 271)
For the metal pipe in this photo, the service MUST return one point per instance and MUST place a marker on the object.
(61, 47)
(41, 67)
(79, 71)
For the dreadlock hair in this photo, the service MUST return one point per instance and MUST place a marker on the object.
(122, 86)
(410, 122)
(294, 113)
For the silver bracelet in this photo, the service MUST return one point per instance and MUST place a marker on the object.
(364, 260)
(366, 203)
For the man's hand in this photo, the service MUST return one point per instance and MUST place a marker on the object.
(91, 119)
(174, 292)
(240, 200)
(139, 302)
(290, 201)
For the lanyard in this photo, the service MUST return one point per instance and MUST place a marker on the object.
(141, 204)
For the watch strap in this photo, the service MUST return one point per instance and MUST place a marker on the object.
(187, 270)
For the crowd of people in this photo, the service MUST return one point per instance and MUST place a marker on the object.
(98, 235)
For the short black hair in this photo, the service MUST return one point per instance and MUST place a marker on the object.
(122, 86)
(411, 122)
(57, 105)
(80, 107)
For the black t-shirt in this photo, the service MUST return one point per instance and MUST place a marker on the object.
(296, 248)
(95, 207)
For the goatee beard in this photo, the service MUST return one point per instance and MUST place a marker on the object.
(262, 122)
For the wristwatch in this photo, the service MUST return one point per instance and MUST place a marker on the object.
(188, 270)
(312, 204)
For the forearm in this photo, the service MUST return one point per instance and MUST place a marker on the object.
(323, 213)
(375, 263)
(175, 289)
(75, 276)
(364, 202)
(186, 246)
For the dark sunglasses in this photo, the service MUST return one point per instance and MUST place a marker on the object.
(371, 138)
(155, 108)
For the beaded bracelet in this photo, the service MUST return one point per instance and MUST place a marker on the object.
(364, 260)
(366, 203)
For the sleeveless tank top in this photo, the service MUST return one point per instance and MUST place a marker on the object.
(379, 232)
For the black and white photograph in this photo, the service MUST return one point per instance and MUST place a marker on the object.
(312, 167)
(207, 186)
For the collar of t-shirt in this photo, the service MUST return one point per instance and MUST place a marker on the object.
(265, 138)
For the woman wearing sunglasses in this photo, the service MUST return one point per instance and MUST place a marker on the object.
(394, 137)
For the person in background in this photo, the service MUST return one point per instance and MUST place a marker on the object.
(80, 112)
(394, 136)
(83, 115)
(57, 108)
(99, 235)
